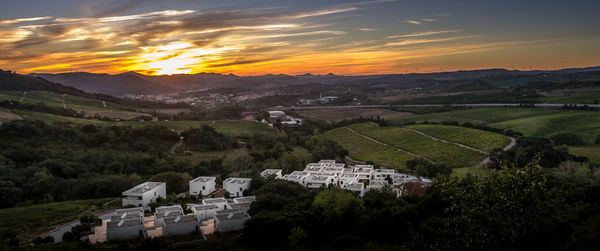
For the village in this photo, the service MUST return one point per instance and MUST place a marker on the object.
(228, 213)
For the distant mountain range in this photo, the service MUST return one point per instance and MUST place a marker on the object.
(135, 83)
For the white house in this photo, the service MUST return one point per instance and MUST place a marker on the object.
(319, 181)
(180, 225)
(166, 212)
(382, 174)
(205, 211)
(357, 187)
(296, 176)
(271, 173)
(144, 194)
(376, 184)
(236, 186)
(202, 185)
(220, 202)
(242, 206)
(244, 199)
(230, 220)
(346, 178)
(126, 224)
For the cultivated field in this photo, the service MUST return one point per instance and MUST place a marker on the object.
(435, 150)
(362, 149)
(7, 115)
(529, 121)
(337, 114)
(455, 146)
(89, 106)
(32, 220)
(482, 140)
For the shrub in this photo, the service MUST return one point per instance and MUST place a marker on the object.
(566, 138)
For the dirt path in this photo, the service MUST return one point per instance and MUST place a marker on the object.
(513, 143)
(174, 147)
(211, 123)
(445, 141)
(393, 147)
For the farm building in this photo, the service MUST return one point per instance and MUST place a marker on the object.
(202, 185)
(144, 194)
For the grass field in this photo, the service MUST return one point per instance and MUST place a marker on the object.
(482, 116)
(482, 140)
(51, 118)
(233, 128)
(89, 106)
(592, 152)
(337, 114)
(32, 220)
(586, 98)
(7, 115)
(529, 121)
(584, 123)
(438, 151)
(363, 149)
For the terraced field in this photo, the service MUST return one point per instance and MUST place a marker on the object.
(363, 149)
(435, 150)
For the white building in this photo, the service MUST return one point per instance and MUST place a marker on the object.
(205, 211)
(181, 225)
(220, 202)
(271, 173)
(236, 186)
(230, 220)
(166, 212)
(126, 224)
(202, 185)
(347, 178)
(144, 194)
(319, 181)
(357, 187)
(382, 174)
(296, 176)
(244, 199)
(376, 184)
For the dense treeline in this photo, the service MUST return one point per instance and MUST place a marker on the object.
(44, 163)
(527, 207)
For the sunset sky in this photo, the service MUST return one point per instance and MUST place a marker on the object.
(296, 37)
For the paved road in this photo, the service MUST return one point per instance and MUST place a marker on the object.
(543, 105)
(174, 147)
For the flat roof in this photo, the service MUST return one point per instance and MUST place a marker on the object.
(232, 215)
(245, 199)
(204, 179)
(169, 214)
(142, 188)
(168, 208)
(205, 206)
(126, 223)
(271, 171)
(238, 180)
(353, 185)
(319, 178)
(214, 200)
(127, 217)
(182, 219)
(240, 205)
(130, 210)
(384, 170)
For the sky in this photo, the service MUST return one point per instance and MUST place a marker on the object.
(256, 37)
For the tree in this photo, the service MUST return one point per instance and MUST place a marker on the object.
(176, 182)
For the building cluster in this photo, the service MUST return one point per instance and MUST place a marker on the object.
(320, 100)
(227, 215)
(281, 117)
(230, 214)
(358, 178)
